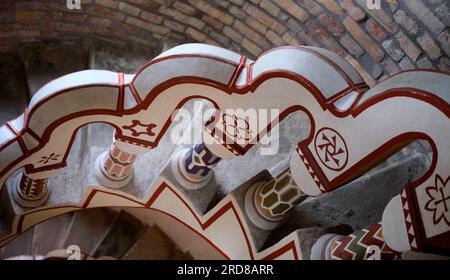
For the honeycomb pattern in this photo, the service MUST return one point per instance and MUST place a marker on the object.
(280, 195)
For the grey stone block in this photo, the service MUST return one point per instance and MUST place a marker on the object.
(125, 231)
(358, 204)
(88, 228)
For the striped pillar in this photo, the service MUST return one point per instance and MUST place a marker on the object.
(31, 190)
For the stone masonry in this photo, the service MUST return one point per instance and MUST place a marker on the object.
(401, 35)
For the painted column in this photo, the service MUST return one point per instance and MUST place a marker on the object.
(192, 166)
(267, 204)
(114, 168)
(366, 244)
(31, 190)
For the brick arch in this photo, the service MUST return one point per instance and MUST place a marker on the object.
(379, 43)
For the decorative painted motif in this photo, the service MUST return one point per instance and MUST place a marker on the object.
(331, 149)
(191, 167)
(369, 125)
(236, 127)
(279, 196)
(267, 204)
(439, 202)
(31, 192)
(137, 128)
(49, 158)
(408, 214)
(362, 245)
(199, 160)
(118, 163)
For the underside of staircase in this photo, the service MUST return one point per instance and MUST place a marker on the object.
(124, 232)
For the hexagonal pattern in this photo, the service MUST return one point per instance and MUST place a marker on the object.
(280, 195)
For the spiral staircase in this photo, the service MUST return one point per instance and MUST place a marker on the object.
(153, 216)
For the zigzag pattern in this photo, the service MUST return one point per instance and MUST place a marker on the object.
(32, 188)
(408, 221)
(354, 246)
(310, 170)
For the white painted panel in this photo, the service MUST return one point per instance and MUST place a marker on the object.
(202, 49)
(78, 100)
(197, 67)
(316, 70)
(81, 78)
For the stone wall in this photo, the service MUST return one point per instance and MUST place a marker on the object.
(402, 35)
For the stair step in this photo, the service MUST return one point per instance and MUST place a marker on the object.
(4, 225)
(49, 235)
(154, 245)
(21, 245)
(180, 256)
(88, 228)
(125, 231)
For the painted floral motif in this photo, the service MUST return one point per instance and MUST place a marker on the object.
(237, 127)
(439, 200)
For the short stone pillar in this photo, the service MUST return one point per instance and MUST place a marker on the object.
(114, 168)
(31, 189)
(192, 166)
(366, 244)
(267, 204)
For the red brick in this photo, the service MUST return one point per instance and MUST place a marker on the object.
(324, 37)
(184, 8)
(212, 11)
(212, 21)
(353, 11)
(146, 25)
(232, 34)
(251, 47)
(375, 30)
(28, 15)
(105, 12)
(363, 39)
(408, 46)
(306, 36)
(195, 34)
(294, 9)
(331, 25)
(384, 19)
(78, 17)
(151, 17)
(264, 18)
(174, 25)
(237, 12)
(311, 6)
(274, 38)
(351, 46)
(331, 6)
(103, 22)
